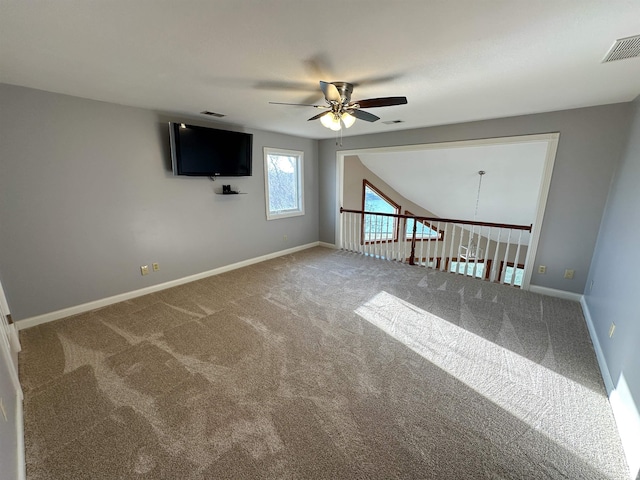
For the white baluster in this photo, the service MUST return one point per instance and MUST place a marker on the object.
(443, 250)
(377, 244)
(515, 260)
(354, 236)
(374, 240)
(466, 260)
(487, 247)
(429, 246)
(367, 233)
(346, 231)
(506, 254)
(475, 257)
(390, 242)
(494, 262)
(359, 232)
(350, 233)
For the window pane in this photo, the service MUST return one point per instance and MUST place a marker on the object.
(283, 177)
(509, 272)
(422, 231)
(375, 203)
(459, 267)
(283, 183)
(378, 227)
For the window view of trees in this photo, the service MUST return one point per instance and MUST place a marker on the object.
(423, 231)
(283, 177)
(283, 183)
(379, 228)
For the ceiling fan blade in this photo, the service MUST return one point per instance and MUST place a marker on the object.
(381, 102)
(330, 91)
(318, 66)
(362, 115)
(376, 80)
(283, 85)
(315, 117)
(299, 104)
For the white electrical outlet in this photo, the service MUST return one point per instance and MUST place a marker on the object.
(285, 238)
(568, 274)
(542, 269)
(612, 329)
(155, 266)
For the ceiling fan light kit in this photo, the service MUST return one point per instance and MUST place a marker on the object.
(335, 121)
(341, 111)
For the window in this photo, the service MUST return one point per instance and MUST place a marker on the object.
(284, 186)
(424, 230)
(461, 267)
(509, 273)
(377, 228)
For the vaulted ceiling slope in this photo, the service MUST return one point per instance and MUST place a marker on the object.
(455, 61)
(445, 181)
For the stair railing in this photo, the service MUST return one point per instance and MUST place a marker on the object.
(494, 252)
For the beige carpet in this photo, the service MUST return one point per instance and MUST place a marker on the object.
(322, 364)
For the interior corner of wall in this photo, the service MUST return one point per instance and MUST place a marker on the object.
(627, 417)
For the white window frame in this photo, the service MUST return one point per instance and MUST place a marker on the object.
(274, 215)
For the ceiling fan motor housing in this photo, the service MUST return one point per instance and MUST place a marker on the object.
(345, 89)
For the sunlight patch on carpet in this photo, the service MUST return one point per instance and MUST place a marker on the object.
(523, 388)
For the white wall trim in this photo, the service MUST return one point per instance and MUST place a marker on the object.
(543, 195)
(551, 139)
(627, 417)
(327, 245)
(602, 362)
(85, 307)
(3, 302)
(552, 292)
(21, 461)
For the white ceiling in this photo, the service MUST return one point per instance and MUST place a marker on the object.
(445, 180)
(455, 61)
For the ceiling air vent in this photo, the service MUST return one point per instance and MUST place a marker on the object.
(623, 48)
(392, 122)
(213, 114)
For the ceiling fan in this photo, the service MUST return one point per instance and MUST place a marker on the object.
(341, 111)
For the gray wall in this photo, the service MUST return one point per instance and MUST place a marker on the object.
(615, 270)
(591, 143)
(87, 196)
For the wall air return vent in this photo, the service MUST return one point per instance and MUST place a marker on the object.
(213, 114)
(623, 48)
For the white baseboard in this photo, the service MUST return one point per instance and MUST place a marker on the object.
(85, 307)
(602, 362)
(552, 292)
(327, 245)
(624, 409)
(628, 421)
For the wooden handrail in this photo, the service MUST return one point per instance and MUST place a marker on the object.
(527, 228)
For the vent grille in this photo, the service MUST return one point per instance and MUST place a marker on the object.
(213, 114)
(392, 122)
(623, 48)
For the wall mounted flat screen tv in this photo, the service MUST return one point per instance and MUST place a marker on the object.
(209, 152)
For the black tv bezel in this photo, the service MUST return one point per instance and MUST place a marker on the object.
(176, 161)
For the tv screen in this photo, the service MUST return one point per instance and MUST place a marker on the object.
(202, 151)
